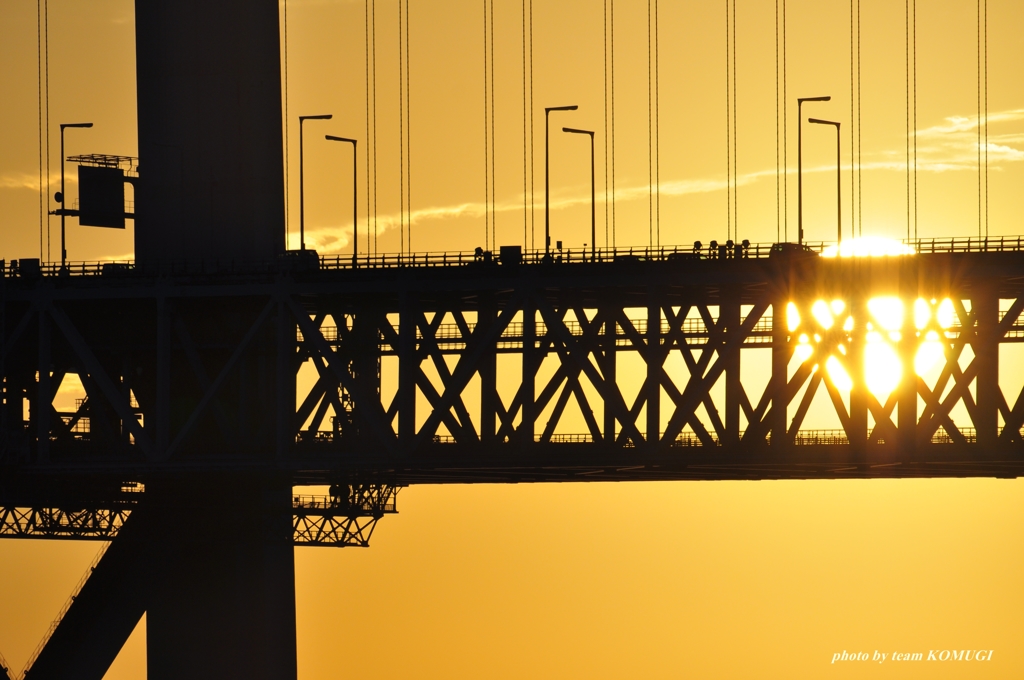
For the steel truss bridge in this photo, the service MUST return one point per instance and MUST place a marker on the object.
(195, 423)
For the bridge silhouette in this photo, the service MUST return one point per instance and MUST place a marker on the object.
(197, 429)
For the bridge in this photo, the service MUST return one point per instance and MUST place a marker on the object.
(221, 374)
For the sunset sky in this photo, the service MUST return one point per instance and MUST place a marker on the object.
(663, 580)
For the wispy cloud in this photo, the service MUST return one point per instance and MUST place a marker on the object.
(23, 180)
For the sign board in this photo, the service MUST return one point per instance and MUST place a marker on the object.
(101, 197)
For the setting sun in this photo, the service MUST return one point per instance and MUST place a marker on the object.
(818, 338)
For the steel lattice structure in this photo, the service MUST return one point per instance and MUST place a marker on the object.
(407, 362)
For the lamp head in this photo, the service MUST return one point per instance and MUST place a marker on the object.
(822, 122)
(322, 116)
(75, 125)
(549, 109)
(340, 139)
(814, 99)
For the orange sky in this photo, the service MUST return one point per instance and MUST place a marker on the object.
(736, 579)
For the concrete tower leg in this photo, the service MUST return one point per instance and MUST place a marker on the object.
(222, 601)
(211, 182)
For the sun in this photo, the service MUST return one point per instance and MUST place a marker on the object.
(827, 334)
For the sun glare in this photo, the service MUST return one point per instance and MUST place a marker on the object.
(819, 338)
(868, 246)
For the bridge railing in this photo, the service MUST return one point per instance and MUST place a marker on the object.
(711, 251)
(809, 437)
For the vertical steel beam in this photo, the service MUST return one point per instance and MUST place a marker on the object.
(858, 433)
(529, 382)
(163, 377)
(608, 371)
(729, 315)
(654, 359)
(906, 425)
(44, 398)
(285, 381)
(488, 373)
(985, 304)
(780, 372)
(407, 366)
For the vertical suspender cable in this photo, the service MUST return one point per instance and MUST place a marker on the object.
(906, 24)
(487, 143)
(860, 147)
(373, 50)
(914, 39)
(979, 118)
(985, 23)
(785, 132)
(287, 210)
(612, 34)
(650, 138)
(604, 4)
(657, 131)
(39, 129)
(524, 127)
(366, 146)
(735, 136)
(46, 109)
(728, 133)
(408, 134)
(401, 135)
(494, 201)
(778, 221)
(532, 203)
(853, 123)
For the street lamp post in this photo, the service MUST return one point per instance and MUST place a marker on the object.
(839, 183)
(547, 184)
(61, 198)
(355, 195)
(593, 214)
(302, 194)
(800, 164)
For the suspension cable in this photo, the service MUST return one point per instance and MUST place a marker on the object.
(728, 133)
(860, 145)
(914, 39)
(487, 142)
(735, 137)
(401, 134)
(373, 49)
(778, 221)
(366, 146)
(657, 129)
(604, 4)
(785, 131)
(408, 133)
(287, 178)
(650, 138)
(853, 123)
(614, 204)
(524, 128)
(906, 25)
(533, 202)
(494, 202)
(985, 23)
(979, 118)
(39, 108)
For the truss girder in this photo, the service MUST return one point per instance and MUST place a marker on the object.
(341, 520)
(422, 367)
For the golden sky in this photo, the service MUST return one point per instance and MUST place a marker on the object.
(729, 579)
